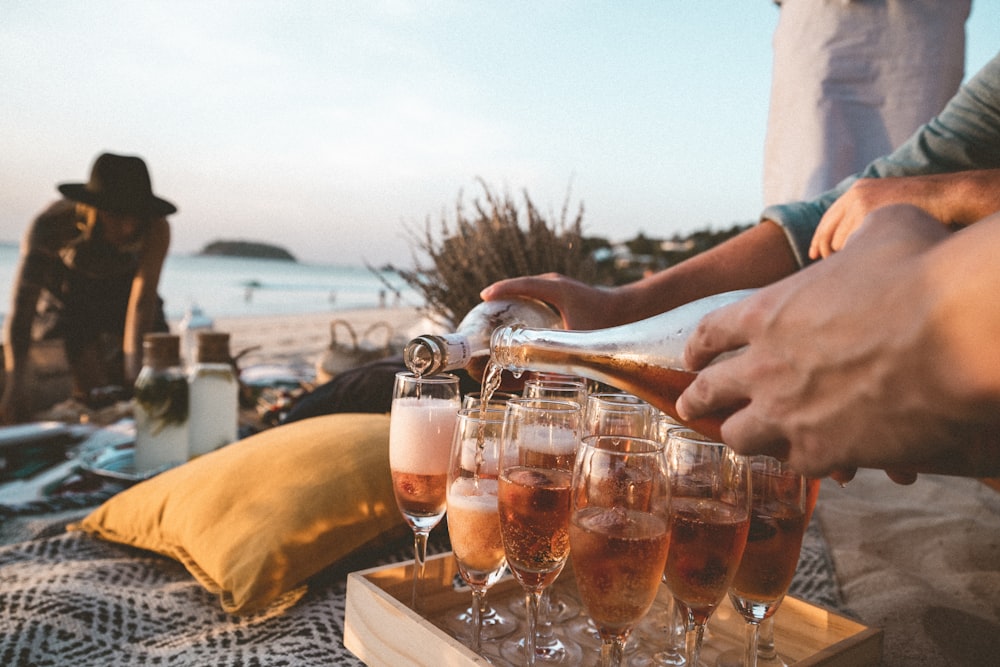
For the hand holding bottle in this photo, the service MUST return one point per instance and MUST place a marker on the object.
(582, 306)
(854, 362)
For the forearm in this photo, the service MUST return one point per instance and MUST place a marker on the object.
(757, 257)
(138, 322)
(17, 328)
(964, 197)
(143, 299)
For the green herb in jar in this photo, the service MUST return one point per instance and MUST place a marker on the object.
(164, 399)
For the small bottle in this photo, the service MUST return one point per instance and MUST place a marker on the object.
(469, 346)
(645, 358)
(161, 405)
(192, 323)
(214, 395)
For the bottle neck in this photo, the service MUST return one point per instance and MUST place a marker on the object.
(433, 354)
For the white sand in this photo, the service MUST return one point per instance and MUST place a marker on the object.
(299, 340)
(922, 562)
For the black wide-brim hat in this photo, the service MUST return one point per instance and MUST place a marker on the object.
(119, 184)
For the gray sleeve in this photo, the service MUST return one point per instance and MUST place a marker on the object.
(965, 135)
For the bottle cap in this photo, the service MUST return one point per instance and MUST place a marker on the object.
(213, 347)
(161, 350)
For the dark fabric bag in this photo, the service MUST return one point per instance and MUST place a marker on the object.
(367, 388)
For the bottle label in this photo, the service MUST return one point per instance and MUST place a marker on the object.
(457, 352)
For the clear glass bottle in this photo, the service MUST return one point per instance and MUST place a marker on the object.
(193, 322)
(469, 346)
(214, 395)
(161, 405)
(645, 358)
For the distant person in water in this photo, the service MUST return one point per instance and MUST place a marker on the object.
(89, 273)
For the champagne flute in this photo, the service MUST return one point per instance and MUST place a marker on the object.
(619, 533)
(665, 623)
(537, 451)
(473, 520)
(764, 651)
(614, 414)
(779, 510)
(421, 428)
(709, 522)
(494, 625)
(556, 386)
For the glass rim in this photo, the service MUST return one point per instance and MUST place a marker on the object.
(617, 397)
(561, 404)
(476, 414)
(437, 378)
(690, 435)
(657, 446)
(556, 384)
(479, 394)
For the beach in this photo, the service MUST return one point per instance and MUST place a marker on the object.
(919, 562)
(298, 341)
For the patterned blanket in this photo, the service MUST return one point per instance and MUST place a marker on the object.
(70, 599)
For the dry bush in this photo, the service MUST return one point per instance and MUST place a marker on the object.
(495, 240)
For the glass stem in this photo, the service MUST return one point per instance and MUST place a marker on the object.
(420, 559)
(545, 615)
(478, 603)
(693, 640)
(531, 599)
(674, 626)
(750, 656)
(765, 640)
(612, 652)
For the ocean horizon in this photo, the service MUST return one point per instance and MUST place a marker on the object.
(236, 286)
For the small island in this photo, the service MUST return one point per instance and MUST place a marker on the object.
(252, 249)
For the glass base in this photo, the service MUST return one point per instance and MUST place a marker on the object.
(664, 658)
(495, 626)
(734, 658)
(548, 651)
(561, 608)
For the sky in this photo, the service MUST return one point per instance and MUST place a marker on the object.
(336, 128)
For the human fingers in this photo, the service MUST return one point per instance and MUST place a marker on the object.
(552, 288)
(747, 434)
(901, 476)
(843, 475)
(719, 331)
(820, 246)
(538, 286)
(718, 389)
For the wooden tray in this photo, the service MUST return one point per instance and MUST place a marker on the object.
(381, 628)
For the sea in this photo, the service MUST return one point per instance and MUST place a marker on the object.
(234, 287)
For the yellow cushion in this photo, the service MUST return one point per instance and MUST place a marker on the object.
(255, 519)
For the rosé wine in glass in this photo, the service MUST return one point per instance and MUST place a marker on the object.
(619, 540)
(709, 522)
(537, 452)
(421, 429)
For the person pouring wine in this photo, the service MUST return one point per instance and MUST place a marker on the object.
(950, 169)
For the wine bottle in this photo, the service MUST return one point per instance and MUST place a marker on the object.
(645, 358)
(469, 345)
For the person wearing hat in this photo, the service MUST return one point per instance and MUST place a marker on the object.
(89, 273)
